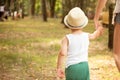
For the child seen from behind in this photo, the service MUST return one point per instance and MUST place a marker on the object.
(74, 47)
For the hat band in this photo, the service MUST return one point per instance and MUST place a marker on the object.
(75, 26)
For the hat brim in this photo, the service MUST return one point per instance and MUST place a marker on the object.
(76, 27)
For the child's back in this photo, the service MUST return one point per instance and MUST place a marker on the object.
(77, 48)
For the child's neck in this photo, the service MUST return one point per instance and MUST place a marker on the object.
(76, 31)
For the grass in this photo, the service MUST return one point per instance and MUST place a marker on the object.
(29, 49)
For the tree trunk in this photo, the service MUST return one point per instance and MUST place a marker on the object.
(33, 7)
(82, 4)
(23, 10)
(52, 8)
(66, 6)
(111, 28)
(69, 4)
(44, 12)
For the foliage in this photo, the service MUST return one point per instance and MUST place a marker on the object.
(58, 7)
(26, 7)
(37, 7)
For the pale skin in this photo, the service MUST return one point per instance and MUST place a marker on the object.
(64, 47)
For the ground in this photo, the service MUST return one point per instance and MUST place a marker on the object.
(29, 49)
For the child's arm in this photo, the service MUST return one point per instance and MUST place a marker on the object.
(61, 56)
(96, 33)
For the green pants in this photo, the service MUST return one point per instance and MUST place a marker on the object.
(78, 72)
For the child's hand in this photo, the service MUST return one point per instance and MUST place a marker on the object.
(60, 73)
(100, 28)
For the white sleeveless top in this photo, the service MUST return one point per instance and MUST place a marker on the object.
(77, 48)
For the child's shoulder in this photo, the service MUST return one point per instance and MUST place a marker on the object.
(86, 33)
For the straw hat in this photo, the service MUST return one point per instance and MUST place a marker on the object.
(76, 19)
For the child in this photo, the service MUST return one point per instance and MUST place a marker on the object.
(75, 47)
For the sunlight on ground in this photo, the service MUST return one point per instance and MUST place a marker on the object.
(28, 51)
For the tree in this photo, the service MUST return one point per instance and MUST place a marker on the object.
(68, 4)
(52, 8)
(44, 12)
(33, 7)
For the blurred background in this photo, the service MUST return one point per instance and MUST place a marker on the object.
(31, 33)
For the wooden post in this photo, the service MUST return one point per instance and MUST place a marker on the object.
(111, 28)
